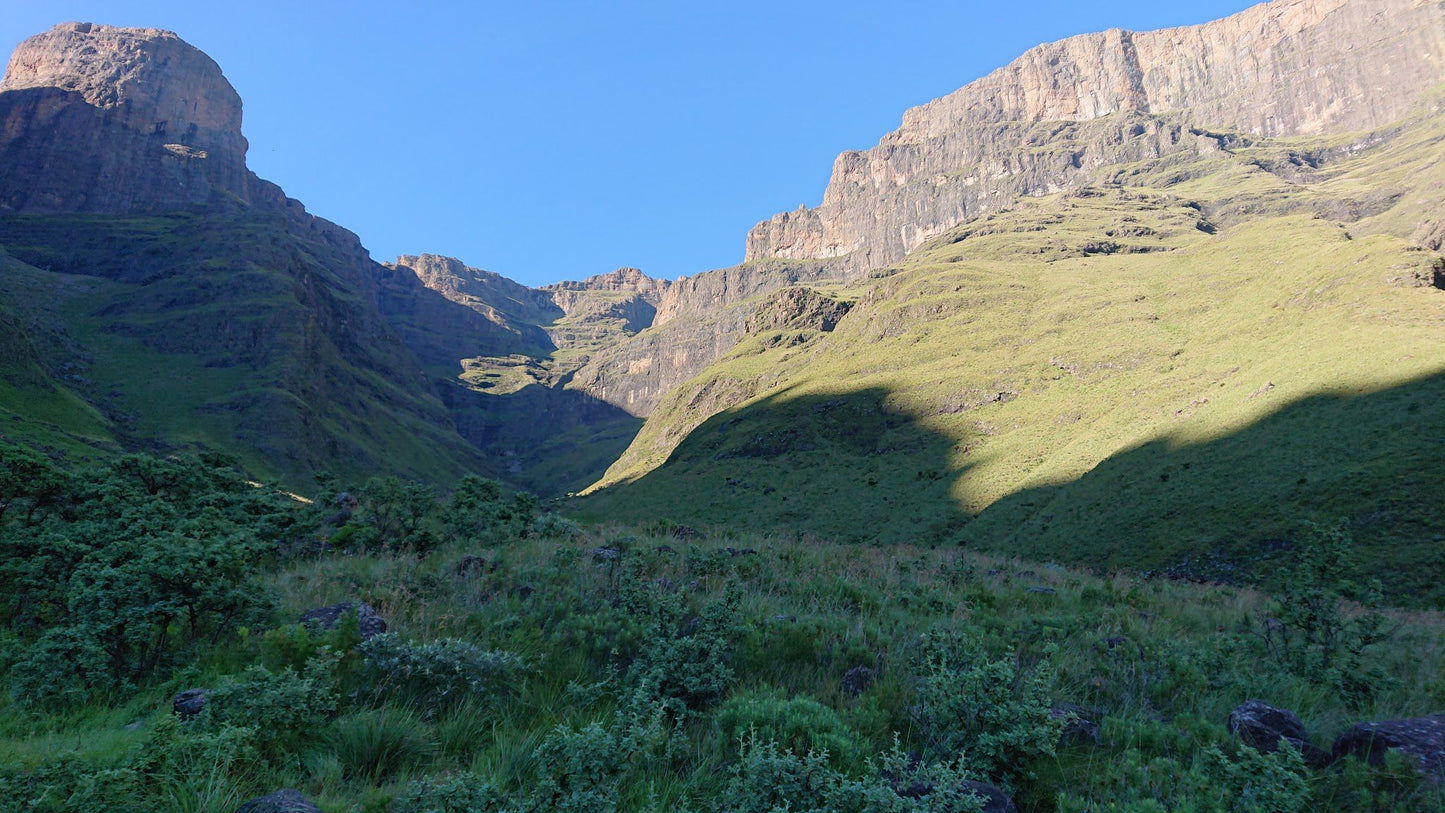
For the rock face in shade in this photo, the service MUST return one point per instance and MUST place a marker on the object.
(1290, 67)
(110, 120)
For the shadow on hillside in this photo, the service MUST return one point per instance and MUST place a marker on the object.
(1228, 509)
(548, 440)
(847, 466)
(844, 466)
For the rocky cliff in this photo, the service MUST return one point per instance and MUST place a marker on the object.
(1045, 121)
(115, 120)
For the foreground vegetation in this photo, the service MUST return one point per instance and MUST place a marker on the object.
(530, 664)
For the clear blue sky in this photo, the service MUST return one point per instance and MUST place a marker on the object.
(555, 140)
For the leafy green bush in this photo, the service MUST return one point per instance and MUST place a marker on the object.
(65, 667)
(1312, 633)
(579, 771)
(449, 793)
(767, 778)
(686, 659)
(286, 708)
(478, 512)
(439, 673)
(992, 710)
(797, 724)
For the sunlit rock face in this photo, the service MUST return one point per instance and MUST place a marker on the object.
(110, 120)
(1042, 123)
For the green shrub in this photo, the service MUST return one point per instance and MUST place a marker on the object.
(798, 724)
(286, 708)
(449, 793)
(580, 771)
(991, 710)
(65, 667)
(767, 778)
(439, 673)
(1313, 634)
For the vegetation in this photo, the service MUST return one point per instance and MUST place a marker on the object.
(530, 664)
(1181, 408)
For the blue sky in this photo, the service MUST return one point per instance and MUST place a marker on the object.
(555, 140)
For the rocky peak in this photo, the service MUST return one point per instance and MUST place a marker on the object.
(103, 119)
(157, 82)
(622, 280)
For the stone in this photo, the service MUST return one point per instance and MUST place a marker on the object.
(282, 801)
(857, 680)
(189, 703)
(1080, 726)
(1422, 739)
(606, 554)
(369, 621)
(169, 120)
(1262, 727)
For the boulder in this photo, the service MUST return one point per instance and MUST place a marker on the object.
(1079, 728)
(1422, 739)
(857, 680)
(282, 801)
(189, 703)
(1261, 726)
(370, 622)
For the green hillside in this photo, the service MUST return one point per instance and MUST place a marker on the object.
(1170, 371)
(229, 331)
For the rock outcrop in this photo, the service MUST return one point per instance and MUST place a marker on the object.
(1046, 121)
(110, 120)
(1421, 739)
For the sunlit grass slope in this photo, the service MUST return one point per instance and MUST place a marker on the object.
(1124, 376)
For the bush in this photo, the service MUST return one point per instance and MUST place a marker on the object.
(991, 710)
(450, 793)
(285, 707)
(65, 667)
(579, 771)
(1312, 634)
(798, 724)
(439, 673)
(685, 660)
(767, 778)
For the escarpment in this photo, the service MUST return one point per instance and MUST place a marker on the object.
(1048, 120)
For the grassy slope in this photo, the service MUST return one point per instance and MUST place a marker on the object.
(1158, 664)
(1291, 367)
(219, 333)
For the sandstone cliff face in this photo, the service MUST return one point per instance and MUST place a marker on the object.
(1290, 67)
(117, 120)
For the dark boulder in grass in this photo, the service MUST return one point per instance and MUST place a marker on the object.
(1422, 739)
(282, 801)
(369, 621)
(857, 680)
(189, 703)
(1262, 726)
(1080, 726)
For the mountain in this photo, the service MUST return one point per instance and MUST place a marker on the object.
(169, 298)
(504, 358)
(1121, 303)
(1135, 299)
